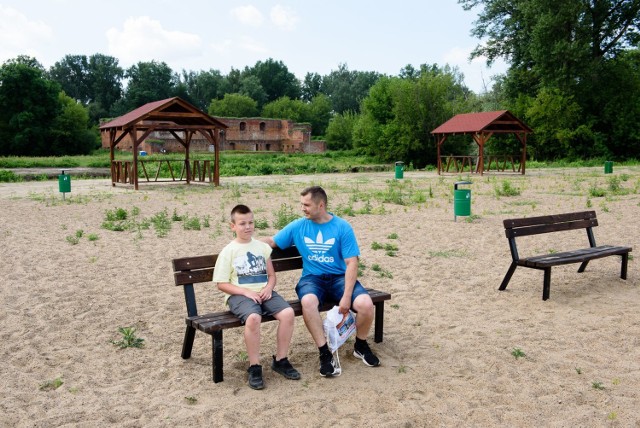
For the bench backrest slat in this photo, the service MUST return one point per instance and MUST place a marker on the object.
(194, 270)
(550, 223)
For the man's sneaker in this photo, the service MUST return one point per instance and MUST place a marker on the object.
(285, 368)
(255, 376)
(327, 367)
(363, 352)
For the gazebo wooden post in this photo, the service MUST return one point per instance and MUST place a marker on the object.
(216, 157)
(440, 141)
(134, 134)
(187, 161)
(112, 140)
(523, 161)
(480, 140)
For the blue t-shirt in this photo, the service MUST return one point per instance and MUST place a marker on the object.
(323, 246)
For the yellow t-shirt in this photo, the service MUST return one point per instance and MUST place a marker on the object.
(244, 265)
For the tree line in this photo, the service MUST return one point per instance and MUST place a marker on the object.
(573, 77)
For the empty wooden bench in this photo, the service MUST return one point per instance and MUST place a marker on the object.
(193, 270)
(586, 220)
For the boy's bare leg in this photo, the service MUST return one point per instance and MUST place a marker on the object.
(252, 338)
(285, 332)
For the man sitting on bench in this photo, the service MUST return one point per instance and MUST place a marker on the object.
(330, 253)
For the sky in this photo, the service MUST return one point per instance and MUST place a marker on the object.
(308, 36)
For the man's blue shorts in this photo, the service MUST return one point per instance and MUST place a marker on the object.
(327, 287)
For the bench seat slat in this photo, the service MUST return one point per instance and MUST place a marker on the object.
(216, 321)
(576, 256)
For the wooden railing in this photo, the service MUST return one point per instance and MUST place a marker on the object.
(195, 170)
(460, 164)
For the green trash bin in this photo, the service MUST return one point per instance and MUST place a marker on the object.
(461, 200)
(399, 170)
(64, 183)
(608, 167)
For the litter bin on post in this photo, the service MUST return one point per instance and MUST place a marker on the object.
(608, 167)
(64, 183)
(399, 169)
(461, 200)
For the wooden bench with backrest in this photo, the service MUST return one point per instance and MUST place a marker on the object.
(519, 227)
(194, 270)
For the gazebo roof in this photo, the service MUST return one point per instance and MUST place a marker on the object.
(173, 113)
(490, 121)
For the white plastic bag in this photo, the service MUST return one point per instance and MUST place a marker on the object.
(337, 328)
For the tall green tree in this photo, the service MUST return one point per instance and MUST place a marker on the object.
(70, 133)
(105, 82)
(275, 78)
(204, 86)
(148, 81)
(339, 133)
(72, 74)
(234, 105)
(346, 88)
(28, 107)
(286, 108)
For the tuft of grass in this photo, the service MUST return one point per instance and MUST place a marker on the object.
(191, 223)
(392, 236)
(518, 353)
(597, 385)
(73, 240)
(129, 339)
(191, 400)
(51, 385)
(506, 189)
(242, 356)
(92, 237)
(284, 216)
(578, 370)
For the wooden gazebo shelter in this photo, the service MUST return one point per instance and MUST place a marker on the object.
(482, 126)
(173, 115)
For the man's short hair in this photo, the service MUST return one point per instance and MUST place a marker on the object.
(317, 194)
(239, 209)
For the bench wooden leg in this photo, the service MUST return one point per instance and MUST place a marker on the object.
(379, 322)
(187, 344)
(583, 266)
(623, 266)
(508, 276)
(546, 288)
(216, 342)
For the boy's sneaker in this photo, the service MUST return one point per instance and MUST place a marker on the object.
(363, 352)
(255, 376)
(285, 368)
(327, 367)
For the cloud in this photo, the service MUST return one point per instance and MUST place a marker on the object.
(248, 15)
(144, 39)
(19, 34)
(284, 18)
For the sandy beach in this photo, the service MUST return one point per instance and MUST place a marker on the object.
(450, 335)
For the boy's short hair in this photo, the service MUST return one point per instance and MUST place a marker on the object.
(317, 194)
(239, 209)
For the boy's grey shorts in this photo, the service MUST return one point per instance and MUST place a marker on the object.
(242, 306)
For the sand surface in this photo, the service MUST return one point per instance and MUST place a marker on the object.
(449, 337)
